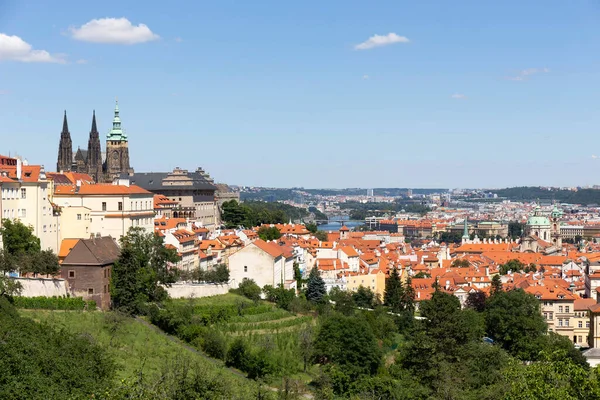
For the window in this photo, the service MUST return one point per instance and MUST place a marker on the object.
(120, 206)
(90, 291)
(104, 288)
(104, 274)
(560, 309)
(566, 321)
(103, 206)
(567, 308)
(580, 324)
(23, 193)
(587, 324)
(245, 268)
(560, 322)
(23, 213)
(71, 274)
(78, 217)
(580, 341)
(44, 228)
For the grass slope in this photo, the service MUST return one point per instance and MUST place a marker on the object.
(133, 345)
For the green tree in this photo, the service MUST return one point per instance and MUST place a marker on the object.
(315, 287)
(513, 265)
(267, 233)
(407, 298)
(364, 297)
(461, 263)
(217, 274)
(513, 319)
(322, 236)
(298, 276)
(312, 227)
(305, 344)
(233, 214)
(248, 288)
(515, 229)
(553, 378)
(9, 287)
(280, 296)
(348, 343)
(476, 301)
(141, 269)
(18, 238)
(496, 286)
(422, 274)
(394, 292)
(344, 301)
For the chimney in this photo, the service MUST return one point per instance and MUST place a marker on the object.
(19, 168)
(447, 285)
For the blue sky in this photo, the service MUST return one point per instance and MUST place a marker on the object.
(279, 93)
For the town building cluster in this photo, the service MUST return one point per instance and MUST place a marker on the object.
(94, 198)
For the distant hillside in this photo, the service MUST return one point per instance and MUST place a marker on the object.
(279, 194)
(532, 193)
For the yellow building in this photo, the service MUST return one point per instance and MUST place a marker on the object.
(374, 280)
(581, 321)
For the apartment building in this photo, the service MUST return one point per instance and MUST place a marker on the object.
(25, 197)
(114, 208)
(558, 307)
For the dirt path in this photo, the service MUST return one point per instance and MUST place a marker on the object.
(210, 359)
(265, 322)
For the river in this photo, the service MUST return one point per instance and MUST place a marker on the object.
(335, 226)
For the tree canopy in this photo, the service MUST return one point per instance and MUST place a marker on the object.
(315, 287)
(140, 270)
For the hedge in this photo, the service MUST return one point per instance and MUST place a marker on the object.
(54, 303)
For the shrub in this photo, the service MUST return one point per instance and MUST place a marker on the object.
(237, 354)
(214, 344)
(248, 288)
(53, 303)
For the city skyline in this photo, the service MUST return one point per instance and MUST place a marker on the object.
(398, 95)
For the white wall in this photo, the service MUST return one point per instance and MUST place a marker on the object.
(33, 287)
(260, 265)
(184, 290)
(138, 210)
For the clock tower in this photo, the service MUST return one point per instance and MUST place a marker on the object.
(117, 149)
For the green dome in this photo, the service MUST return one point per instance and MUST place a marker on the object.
(538, 220)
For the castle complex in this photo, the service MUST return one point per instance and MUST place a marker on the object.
(102, 167)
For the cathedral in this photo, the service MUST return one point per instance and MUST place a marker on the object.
(102, 167)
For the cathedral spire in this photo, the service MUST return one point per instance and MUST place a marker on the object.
(65, 129)
(94, 128)
(116, 133)
(65, 148)
(94, 153)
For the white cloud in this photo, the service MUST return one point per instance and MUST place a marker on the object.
(524, 74)
(113, 30)
(459, 96)
(594, 156)
(82, 61)
(178, 39)
(366, 77)
(381, 40)
(13, 48)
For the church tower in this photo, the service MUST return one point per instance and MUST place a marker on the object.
(65, 148)
(117, 149)
(94, 153)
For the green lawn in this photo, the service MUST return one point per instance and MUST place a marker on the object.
(134, 345)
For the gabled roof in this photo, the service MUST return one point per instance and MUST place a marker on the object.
(99, 189)
(270, 248)
(93, 252)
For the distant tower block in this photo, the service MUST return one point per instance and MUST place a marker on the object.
(369, 192)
